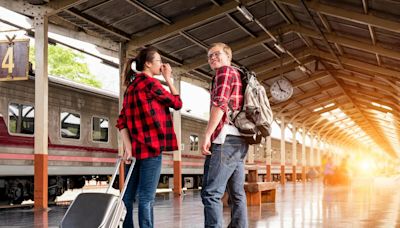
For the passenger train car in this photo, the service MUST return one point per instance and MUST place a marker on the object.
(83, 140)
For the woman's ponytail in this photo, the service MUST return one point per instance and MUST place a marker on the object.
(129, 70)
(136, 65)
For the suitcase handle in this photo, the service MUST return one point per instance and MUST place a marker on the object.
(119, 160)
(128, 177)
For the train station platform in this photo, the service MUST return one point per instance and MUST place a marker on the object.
(363, 203)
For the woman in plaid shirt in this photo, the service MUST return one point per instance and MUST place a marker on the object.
(146, 127)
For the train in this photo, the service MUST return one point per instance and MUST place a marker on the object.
(83, 140)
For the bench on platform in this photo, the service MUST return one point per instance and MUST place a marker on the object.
(258, 192)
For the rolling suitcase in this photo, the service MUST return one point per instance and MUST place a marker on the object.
(97, 210)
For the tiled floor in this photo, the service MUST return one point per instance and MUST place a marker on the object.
(365, 203)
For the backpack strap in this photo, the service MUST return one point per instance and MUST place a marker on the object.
(232, 118)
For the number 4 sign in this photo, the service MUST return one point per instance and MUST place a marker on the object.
(9, 57)
(14, 59)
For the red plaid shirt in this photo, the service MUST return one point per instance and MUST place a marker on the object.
(227, 88)
(145, 113)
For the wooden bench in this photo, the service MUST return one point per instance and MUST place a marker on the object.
(258, 192)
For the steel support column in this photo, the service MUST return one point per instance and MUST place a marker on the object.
(283, 152)
(177, 155)
(122, 88)
(41, 113)
(268, 159)
(303, 156)
(294, 155)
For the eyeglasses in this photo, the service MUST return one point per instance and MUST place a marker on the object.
(214, 54)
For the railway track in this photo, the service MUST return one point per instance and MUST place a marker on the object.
(13, 206)
(31, 205)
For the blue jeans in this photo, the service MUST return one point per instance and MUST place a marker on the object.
(143, 182)
(224, 169)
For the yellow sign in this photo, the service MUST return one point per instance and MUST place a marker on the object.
(14, 59)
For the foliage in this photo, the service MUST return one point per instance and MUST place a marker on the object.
(66, 63)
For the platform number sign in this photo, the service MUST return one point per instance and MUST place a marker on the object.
(14, 57)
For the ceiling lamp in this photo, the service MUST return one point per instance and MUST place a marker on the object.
(280, 48)
(245, 13)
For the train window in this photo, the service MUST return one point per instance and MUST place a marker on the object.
(22, 119)
(100, 129)
(194, 143)
(70, 125)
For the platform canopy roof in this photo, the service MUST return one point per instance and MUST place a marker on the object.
(340, 56)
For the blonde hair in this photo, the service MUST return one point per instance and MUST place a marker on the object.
(224, 47)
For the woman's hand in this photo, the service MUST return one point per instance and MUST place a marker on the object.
(127, 145)
(166, 71)
(128, 154)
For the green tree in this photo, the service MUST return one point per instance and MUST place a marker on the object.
(67, 63)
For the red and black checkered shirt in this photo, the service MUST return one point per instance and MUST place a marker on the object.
(227, 88)
(145, 113)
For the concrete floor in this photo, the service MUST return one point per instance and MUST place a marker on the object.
(364, 203)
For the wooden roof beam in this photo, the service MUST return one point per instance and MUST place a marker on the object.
(358, 64)
(328, 27)
(313, 105)
(374, 131)
(385, 89)
(288, 16)
(313, 77)
(372, 114)
(190, 21)
(371, 30)
(60, 5)
(277, 63)
(319, 121)
(386, 78)
(25, 8)
(366, 105)
(306, 95)
(366, 19)
(316, 115)
(321, 33)
(236, 47)
(338, 134)
(149, 11)
(276, 70)
(390, 103)
(329, 126)
(311, 117)
(285, 14)
(359, 44)
(98, 24)
(372, 94)
(240, 25)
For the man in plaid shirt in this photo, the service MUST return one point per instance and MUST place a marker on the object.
(223, 147)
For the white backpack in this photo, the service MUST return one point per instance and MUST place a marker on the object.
(255, 119)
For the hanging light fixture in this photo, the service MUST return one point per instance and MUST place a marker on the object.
(245, 12)
(302, 68)
(280, 48)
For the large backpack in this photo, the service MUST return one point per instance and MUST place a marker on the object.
(255, 119)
